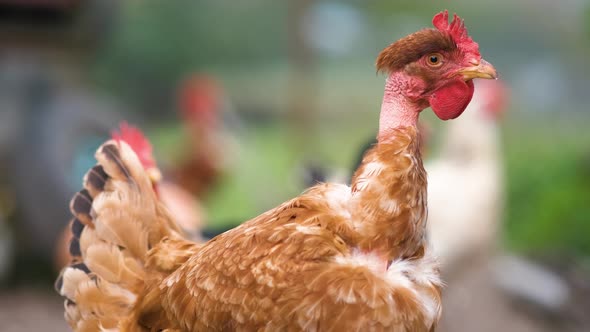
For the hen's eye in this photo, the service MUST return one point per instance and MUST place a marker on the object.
(434, 60)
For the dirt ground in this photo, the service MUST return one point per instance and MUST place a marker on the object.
(472, 303)
(28, 310)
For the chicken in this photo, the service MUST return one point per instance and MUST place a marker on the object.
(200, 102)
(465, 191)
(335, 257)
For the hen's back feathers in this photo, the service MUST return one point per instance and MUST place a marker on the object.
(290, 269)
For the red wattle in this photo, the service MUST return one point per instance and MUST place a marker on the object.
(451, 100)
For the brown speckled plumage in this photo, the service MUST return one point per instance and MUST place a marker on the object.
(391, 186)
(335, 258)
(287, 270)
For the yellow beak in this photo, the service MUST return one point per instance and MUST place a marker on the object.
(483, 69)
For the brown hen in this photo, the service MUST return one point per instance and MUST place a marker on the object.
(335, 258)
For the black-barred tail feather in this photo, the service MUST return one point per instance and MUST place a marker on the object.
(117, 219)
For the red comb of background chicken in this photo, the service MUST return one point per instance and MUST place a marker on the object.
(458, 32)
(137, 141)
(199, 98)
(495, 96)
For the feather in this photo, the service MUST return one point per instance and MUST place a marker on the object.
(413, 47)
(75, 247)
(69, 281)
(109, 262)
(116, 215)
(81, 205)
(94, 180)
(102, 298)
(76, 228)
(71, 312)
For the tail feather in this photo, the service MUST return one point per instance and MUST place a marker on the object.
(94, 181)
(76, 227)
(110, 263)
(130, 234)
(69, 280)
(75, 247)
(72, 313)
(111, 159)
(74, 318)
(81, 205)
(104, 299)
(133, 191)
(117, 219)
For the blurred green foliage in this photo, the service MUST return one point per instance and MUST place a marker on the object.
(159, 42)
(548, 182)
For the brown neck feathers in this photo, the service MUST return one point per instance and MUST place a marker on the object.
(389, 189)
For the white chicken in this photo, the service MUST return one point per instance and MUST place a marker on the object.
(465, 181)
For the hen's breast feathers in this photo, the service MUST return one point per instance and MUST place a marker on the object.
(303, 263)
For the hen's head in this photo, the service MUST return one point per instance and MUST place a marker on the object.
(200, 100)
(141, 146)
(435, 67)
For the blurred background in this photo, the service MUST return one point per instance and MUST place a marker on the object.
(247, 103)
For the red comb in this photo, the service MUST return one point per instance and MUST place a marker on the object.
(137, 141)
(199, 97)
(457, 31)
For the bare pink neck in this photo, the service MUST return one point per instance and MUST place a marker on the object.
(396, 110)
